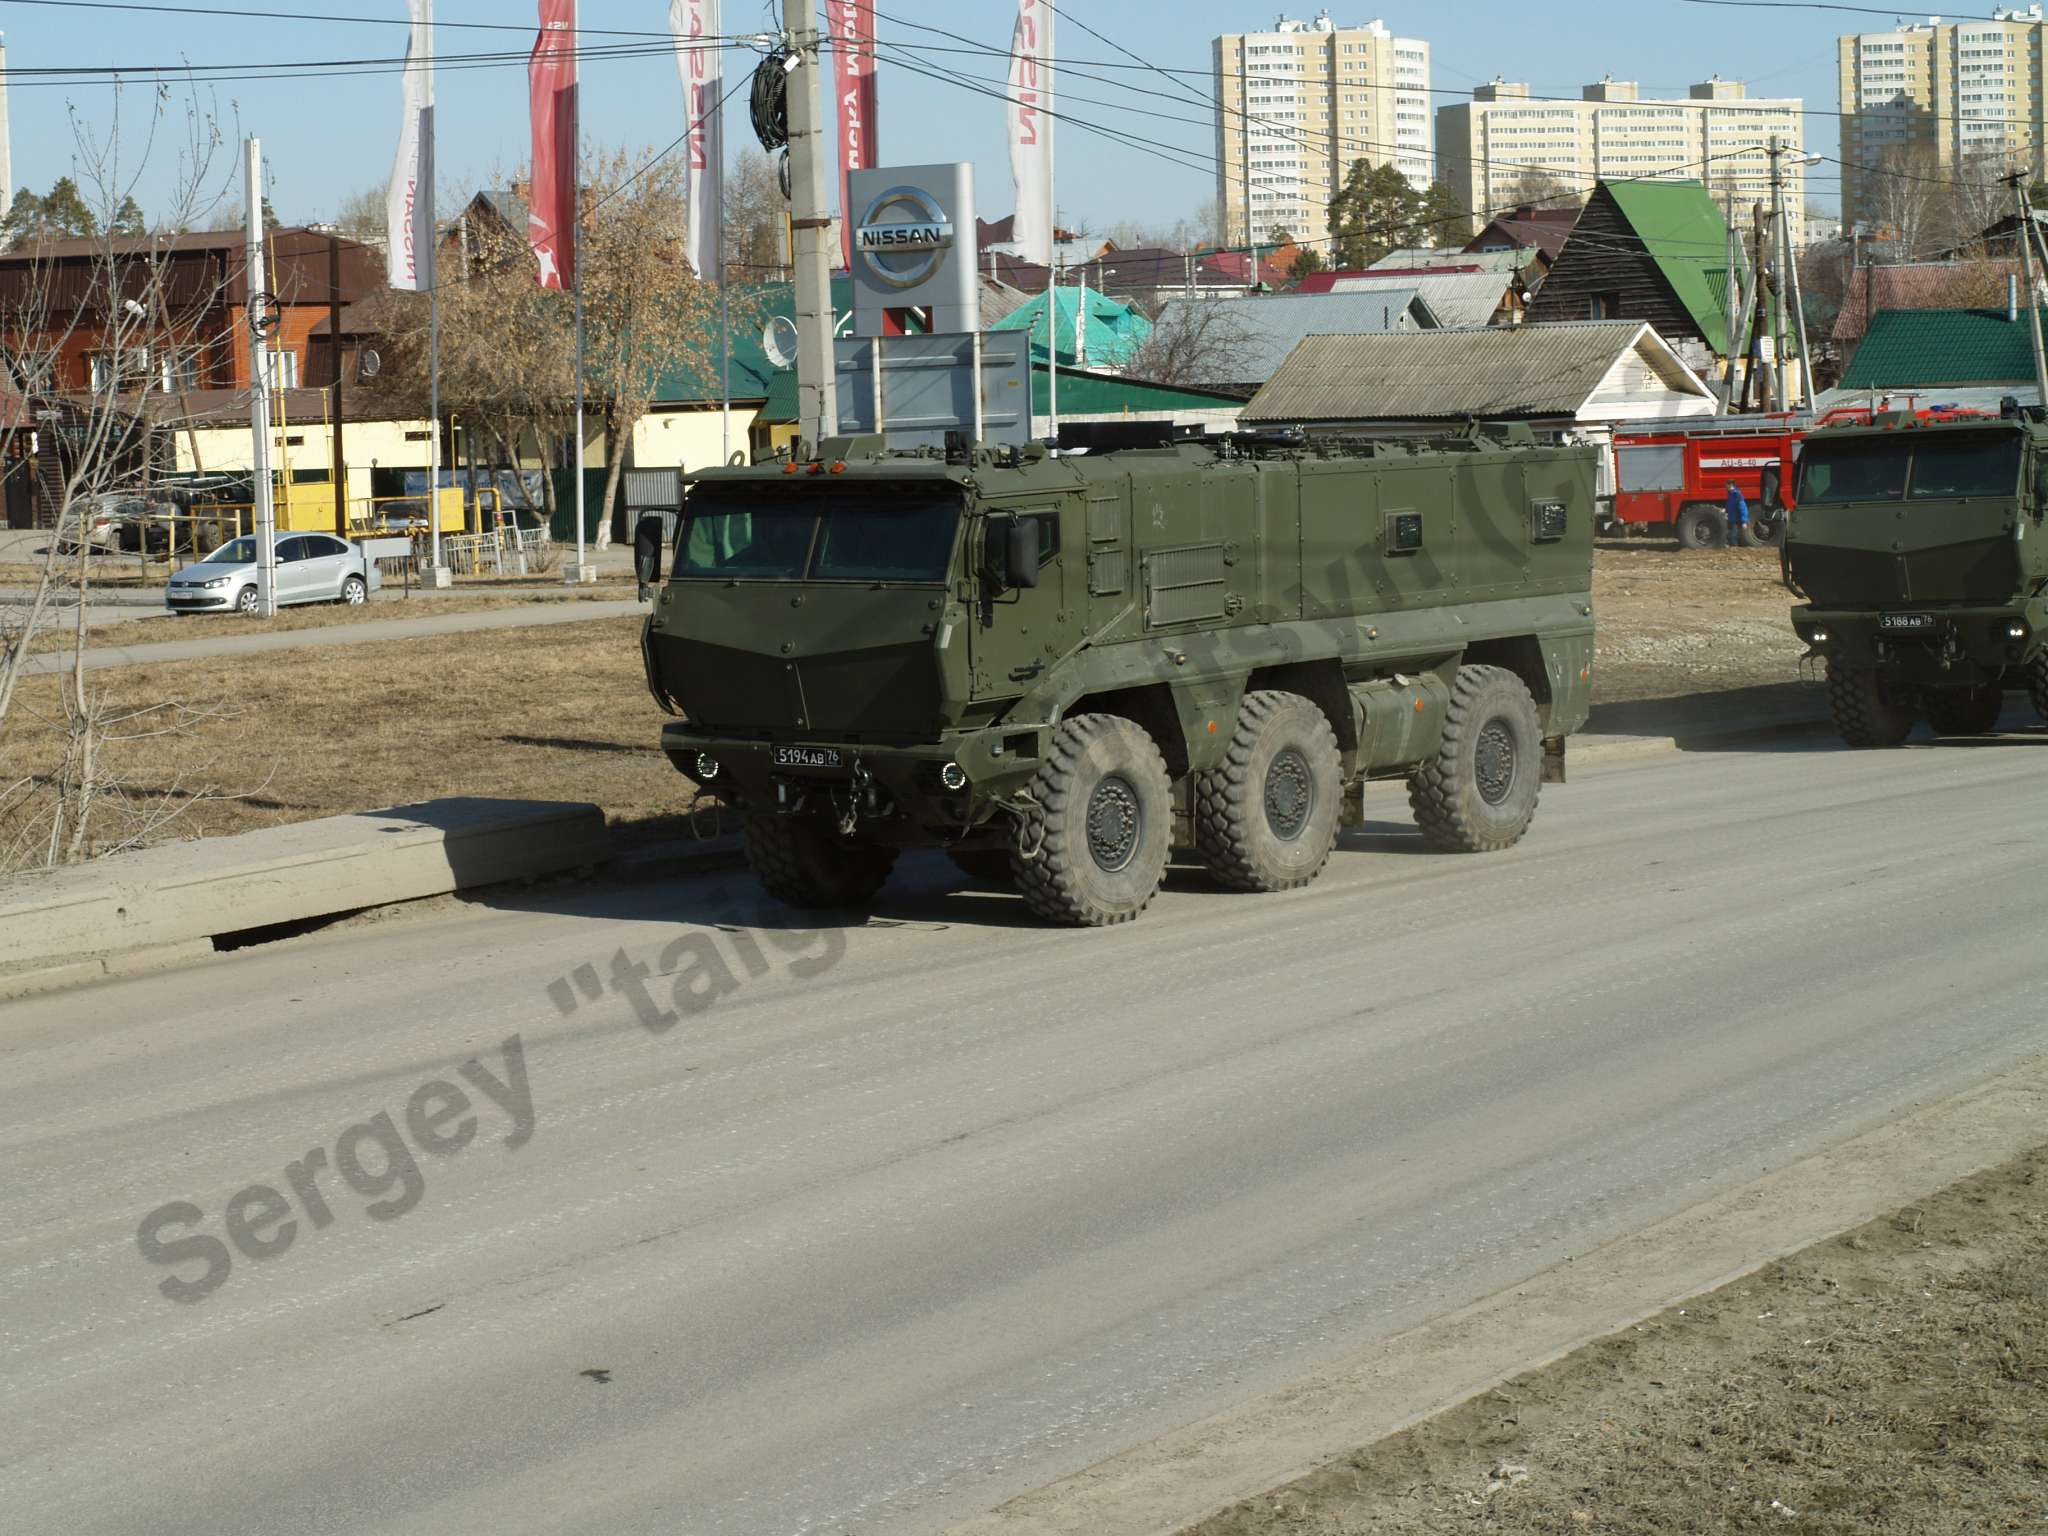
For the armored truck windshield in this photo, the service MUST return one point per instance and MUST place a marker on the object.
(1949, 467)
(871, 535)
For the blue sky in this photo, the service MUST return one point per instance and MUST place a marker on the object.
(328, 136)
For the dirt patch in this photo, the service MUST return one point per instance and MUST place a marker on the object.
(1892, 1380)
(1670, 622)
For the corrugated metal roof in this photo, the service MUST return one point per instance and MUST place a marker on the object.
(1497, 371)
(1258, 333)
(1453, 298)
(1929, 348)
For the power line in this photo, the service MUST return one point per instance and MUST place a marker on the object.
(269, 15)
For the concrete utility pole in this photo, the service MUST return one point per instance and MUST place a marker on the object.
(6, 138)
(1788, 280)
(817, 387)
(255, 308)
(2018, 182)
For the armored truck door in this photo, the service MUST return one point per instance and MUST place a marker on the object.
(1025, 629)
(1195, 534)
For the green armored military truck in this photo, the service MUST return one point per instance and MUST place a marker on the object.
(1920, 549)
(1058, 666)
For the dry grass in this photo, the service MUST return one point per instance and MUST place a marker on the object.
(162, 627)
(1891, 1382)
(560, 712)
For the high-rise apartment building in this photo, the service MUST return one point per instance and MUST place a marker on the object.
(1299, 104)
(1499, 148)
(1934, 97)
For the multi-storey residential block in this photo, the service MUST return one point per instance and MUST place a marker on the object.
(1501, 147)
(1935, 98)
(1299, 104)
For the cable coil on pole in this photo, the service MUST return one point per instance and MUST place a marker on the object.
(770, 103)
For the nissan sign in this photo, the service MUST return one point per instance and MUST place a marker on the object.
(907, 251)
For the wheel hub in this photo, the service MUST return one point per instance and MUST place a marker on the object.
(1290, 794)
(1493, 762)
(1115, 823)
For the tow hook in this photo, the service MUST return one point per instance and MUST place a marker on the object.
(861, 795)
(1951, 649)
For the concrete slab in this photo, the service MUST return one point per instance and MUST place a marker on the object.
(182, 892)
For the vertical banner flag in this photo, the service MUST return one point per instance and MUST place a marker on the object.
(702, 65)
(1030, 126)
(409, 204)
(853, 76)
(551, 202)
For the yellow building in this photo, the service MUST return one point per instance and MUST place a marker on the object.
(1495, 148)
(1935, 97)
(1299, 104)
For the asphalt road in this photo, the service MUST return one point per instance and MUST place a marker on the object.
(932, 1210)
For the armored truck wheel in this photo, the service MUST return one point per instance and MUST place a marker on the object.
(1702, 525)
(1865, 713)
(1266, 818)
(2037, 685)
(1478, 793)
(1965, 711)
(984, 866)
(801, 863)
(1098, 833)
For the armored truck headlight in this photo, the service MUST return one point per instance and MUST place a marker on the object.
(953, 776)
(2015, 630)
(1818, 634)
(707, 766)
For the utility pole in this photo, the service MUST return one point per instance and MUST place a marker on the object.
(2018, 182)
(811, 220)
(339, 469)
(1788, 286)
(1734, 304)
(255, 306)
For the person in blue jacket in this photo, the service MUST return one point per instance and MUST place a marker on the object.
(1738, 515)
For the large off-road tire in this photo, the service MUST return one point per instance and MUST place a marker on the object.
(1478, 793)
(801, 863)
(1965, 711)
(984, 866)
(1093, 849)
(1266, 817)
(2037, 685)
(1865, 713)
(1702, 525)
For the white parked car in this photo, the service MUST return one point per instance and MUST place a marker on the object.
(311, 568)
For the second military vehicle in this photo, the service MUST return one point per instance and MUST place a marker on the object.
(1058, 666)
(1920, 549)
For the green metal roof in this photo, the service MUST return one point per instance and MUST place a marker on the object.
(1684, 234)
(694, 381)
(1115, 329)
(1105, 394)
(1930, 348)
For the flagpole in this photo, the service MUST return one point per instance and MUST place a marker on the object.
(582, 573)
(725, 356)
(434, 436)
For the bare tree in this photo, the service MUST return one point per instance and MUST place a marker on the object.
(1906, 199)
(361, 216)
(1203, 343)
(756, 221)
(1537, 188)
(65, 793)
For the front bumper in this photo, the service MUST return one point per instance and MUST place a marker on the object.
(197, 599)
(901, 782)
(1962, 644)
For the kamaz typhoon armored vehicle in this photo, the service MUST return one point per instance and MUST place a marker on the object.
(1058, 666)
(1920, 549)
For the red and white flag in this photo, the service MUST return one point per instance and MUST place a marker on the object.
(409, 202)
(701, 62)
(551, 202)
(853, 78)
(1030, 129)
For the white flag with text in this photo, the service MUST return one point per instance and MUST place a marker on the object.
(1030, 130)
(409, 204)
(701, 62)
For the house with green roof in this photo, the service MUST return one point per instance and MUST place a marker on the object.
(1110, 335)
(1646, 250)
(1944, 349)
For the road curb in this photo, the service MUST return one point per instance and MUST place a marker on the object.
(1198, 1471)
(76, 921)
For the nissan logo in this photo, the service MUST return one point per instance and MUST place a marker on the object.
(907, 252)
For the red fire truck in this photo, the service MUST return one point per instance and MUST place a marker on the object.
(1674, 480)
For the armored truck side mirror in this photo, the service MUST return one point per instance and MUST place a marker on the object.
(647, 541)
(1022, 539)
(1773, 478)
